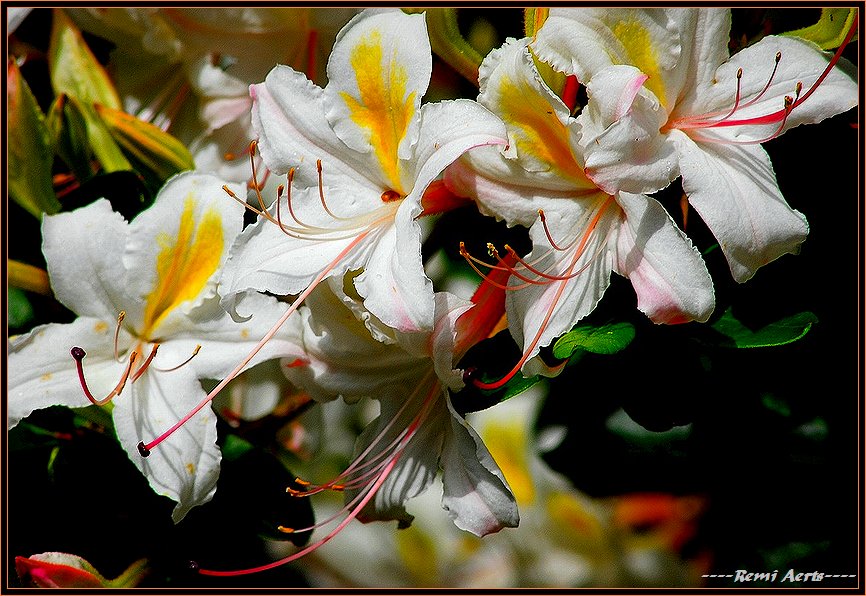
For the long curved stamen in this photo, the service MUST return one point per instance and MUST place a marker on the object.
(553, 304)
(145, 448)
(195, 352)
(352, 509)
(140, 370)
(78, 354)
(789, 106)
(121, 315)
(472, 260)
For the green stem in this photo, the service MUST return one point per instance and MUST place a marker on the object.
(450, 45)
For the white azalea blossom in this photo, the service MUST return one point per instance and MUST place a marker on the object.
(350, 353)
(160, 271)
(361, 152)
(671, 101)
(585, 233)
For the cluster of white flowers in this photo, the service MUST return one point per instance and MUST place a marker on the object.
(358, 162)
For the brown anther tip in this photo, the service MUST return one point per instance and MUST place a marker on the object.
(78, 353)
(192, 565)
(739, 73)
(286, 530)
(319, 164)
(142, 450)
(778, 56)
(253, 145)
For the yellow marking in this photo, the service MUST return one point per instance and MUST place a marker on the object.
(384, 110)
(100, 327)
(507, 444)
(537, 130)
(46, 377)
(184, 264)
(641, 54)
(245, 333)
(569, 514)
(191, 469)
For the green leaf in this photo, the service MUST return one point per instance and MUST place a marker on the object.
(69, 129)
(74, 69)
(607, 339)
(784, 331)
(31, 156)
(19, 311)
(159, 153)
(830, 30)
(77, 73)
(449, 44)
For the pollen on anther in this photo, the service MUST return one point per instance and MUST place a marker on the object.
(142, 450)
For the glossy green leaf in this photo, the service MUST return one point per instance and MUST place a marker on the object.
(156, 151)
(830, 30)
(31, 156)
(607, 339)
(785, 331)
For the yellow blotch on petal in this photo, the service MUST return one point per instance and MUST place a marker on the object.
(638, 45)
(507, 444)
(537, 130)
(191, 469)
(184, 263)
(46, 377)
(100, 327)
(384, 109)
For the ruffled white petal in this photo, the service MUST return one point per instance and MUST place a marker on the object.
(620, 134)
(42, 371)
(185, 466)
(734, 190)
(475, 493)
(84, 254)
(668, 274)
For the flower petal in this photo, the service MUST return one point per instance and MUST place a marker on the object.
(583, 41)
(393, 284)
(84, 254)
(475, 493)
(668, 274)
(176, 248)
(575, 275)
(448, 130)
(733, 188)
(293, 132)
(801, 62)
(620, 131)
(185, 466)
(42, 372)
(377, 73)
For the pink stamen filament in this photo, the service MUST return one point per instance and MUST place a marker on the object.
(184, 363)
(354, 507)
(78, 354)
(558, 294)
(120, 317)
(145, 364)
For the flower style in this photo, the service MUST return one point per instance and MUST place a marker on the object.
(348, 352)
(149, 327)
(580, 233)
(672, 102)
(362, 152)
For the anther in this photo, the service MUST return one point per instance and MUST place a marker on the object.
(142, 450)
(78, 354)
(390, 195)
(285, 530)
(120, 316)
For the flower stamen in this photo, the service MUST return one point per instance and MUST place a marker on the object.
(78, 354)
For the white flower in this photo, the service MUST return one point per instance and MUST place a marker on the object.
(160, 271)
(361, 152)
(670, 101)
(583, 232)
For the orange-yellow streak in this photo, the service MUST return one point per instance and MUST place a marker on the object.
(537, 130)
(184, 264)
(384, 109)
